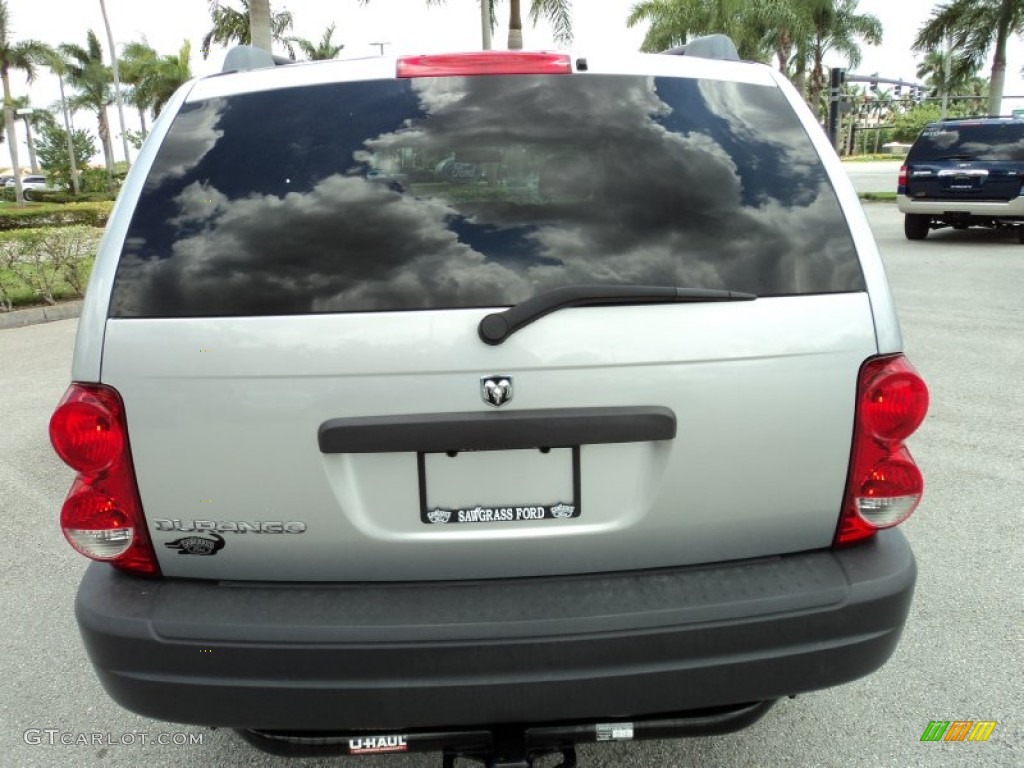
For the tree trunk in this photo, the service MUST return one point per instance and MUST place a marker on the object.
(998, 79)
(485, 24)
(782, 49)
(515, 26)
(117, 83)
(142, 121)
(108, 149)
(33, 163)
(259, 23)
(817, 83)
(12, 138)
(71, 138)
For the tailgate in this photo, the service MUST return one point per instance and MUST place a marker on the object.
(968, 182)
(225, 417)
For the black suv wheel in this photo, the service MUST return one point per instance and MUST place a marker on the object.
(916, 226)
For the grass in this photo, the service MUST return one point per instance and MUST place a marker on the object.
(899, 156)
(879, 197)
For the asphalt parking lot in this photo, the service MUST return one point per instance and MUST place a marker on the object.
(960, 300)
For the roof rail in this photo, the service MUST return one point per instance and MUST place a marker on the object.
(244, 57)
(708, 47)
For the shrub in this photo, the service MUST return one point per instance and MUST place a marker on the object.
(45, 264)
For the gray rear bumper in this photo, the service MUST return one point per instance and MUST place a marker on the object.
(379, 656)
(983, 209)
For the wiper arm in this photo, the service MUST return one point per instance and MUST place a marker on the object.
(962, 156)
(498, 326)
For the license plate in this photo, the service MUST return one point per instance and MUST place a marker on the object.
(495, 487)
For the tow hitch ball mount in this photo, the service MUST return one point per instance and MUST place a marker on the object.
(507, 746)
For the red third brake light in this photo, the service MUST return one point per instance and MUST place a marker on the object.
(884, 485)
(485, 63)
(102, 515)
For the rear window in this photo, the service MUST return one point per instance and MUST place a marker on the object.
(479, 192)
(969, 141)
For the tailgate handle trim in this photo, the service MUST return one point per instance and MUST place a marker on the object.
(489, 431)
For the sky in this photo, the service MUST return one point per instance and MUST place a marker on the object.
(406, 26)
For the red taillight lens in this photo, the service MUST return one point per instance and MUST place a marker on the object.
(485, 63)
(86, 434)
(894, 402)
(902, 181)
(884, 485)
(102, 516)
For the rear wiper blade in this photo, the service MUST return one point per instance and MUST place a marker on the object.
(498, 326)
(957, 157)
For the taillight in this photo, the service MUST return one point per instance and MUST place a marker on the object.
(102, 515)
(485, 63)
(902, 181)
(884, 485)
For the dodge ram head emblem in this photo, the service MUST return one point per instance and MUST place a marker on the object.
(496, 390)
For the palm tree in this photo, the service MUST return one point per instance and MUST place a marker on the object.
(974, 27)
(91, 78)
(172, 72)
(23, 56)
(321, 51)
(932, 69)
(154, 78)
(262, 24)
(117, 81)
(138, 64)
(59, 67)
(836, 26)
(246, 26)
(557, 13)
(675, 22)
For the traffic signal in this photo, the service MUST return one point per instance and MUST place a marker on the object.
(874, 84)
(899, 89)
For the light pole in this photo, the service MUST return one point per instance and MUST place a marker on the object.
(25, 114)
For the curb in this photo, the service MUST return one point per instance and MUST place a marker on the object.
(21, 317)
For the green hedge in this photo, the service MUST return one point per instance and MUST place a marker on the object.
(35, 215)
(70, 197)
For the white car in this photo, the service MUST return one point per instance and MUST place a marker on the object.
(608, 444)
(30, 184)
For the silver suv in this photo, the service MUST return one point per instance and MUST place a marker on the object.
(487, 403)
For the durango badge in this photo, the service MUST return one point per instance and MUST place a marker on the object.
(496, 390)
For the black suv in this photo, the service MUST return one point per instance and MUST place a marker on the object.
(964, 173)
